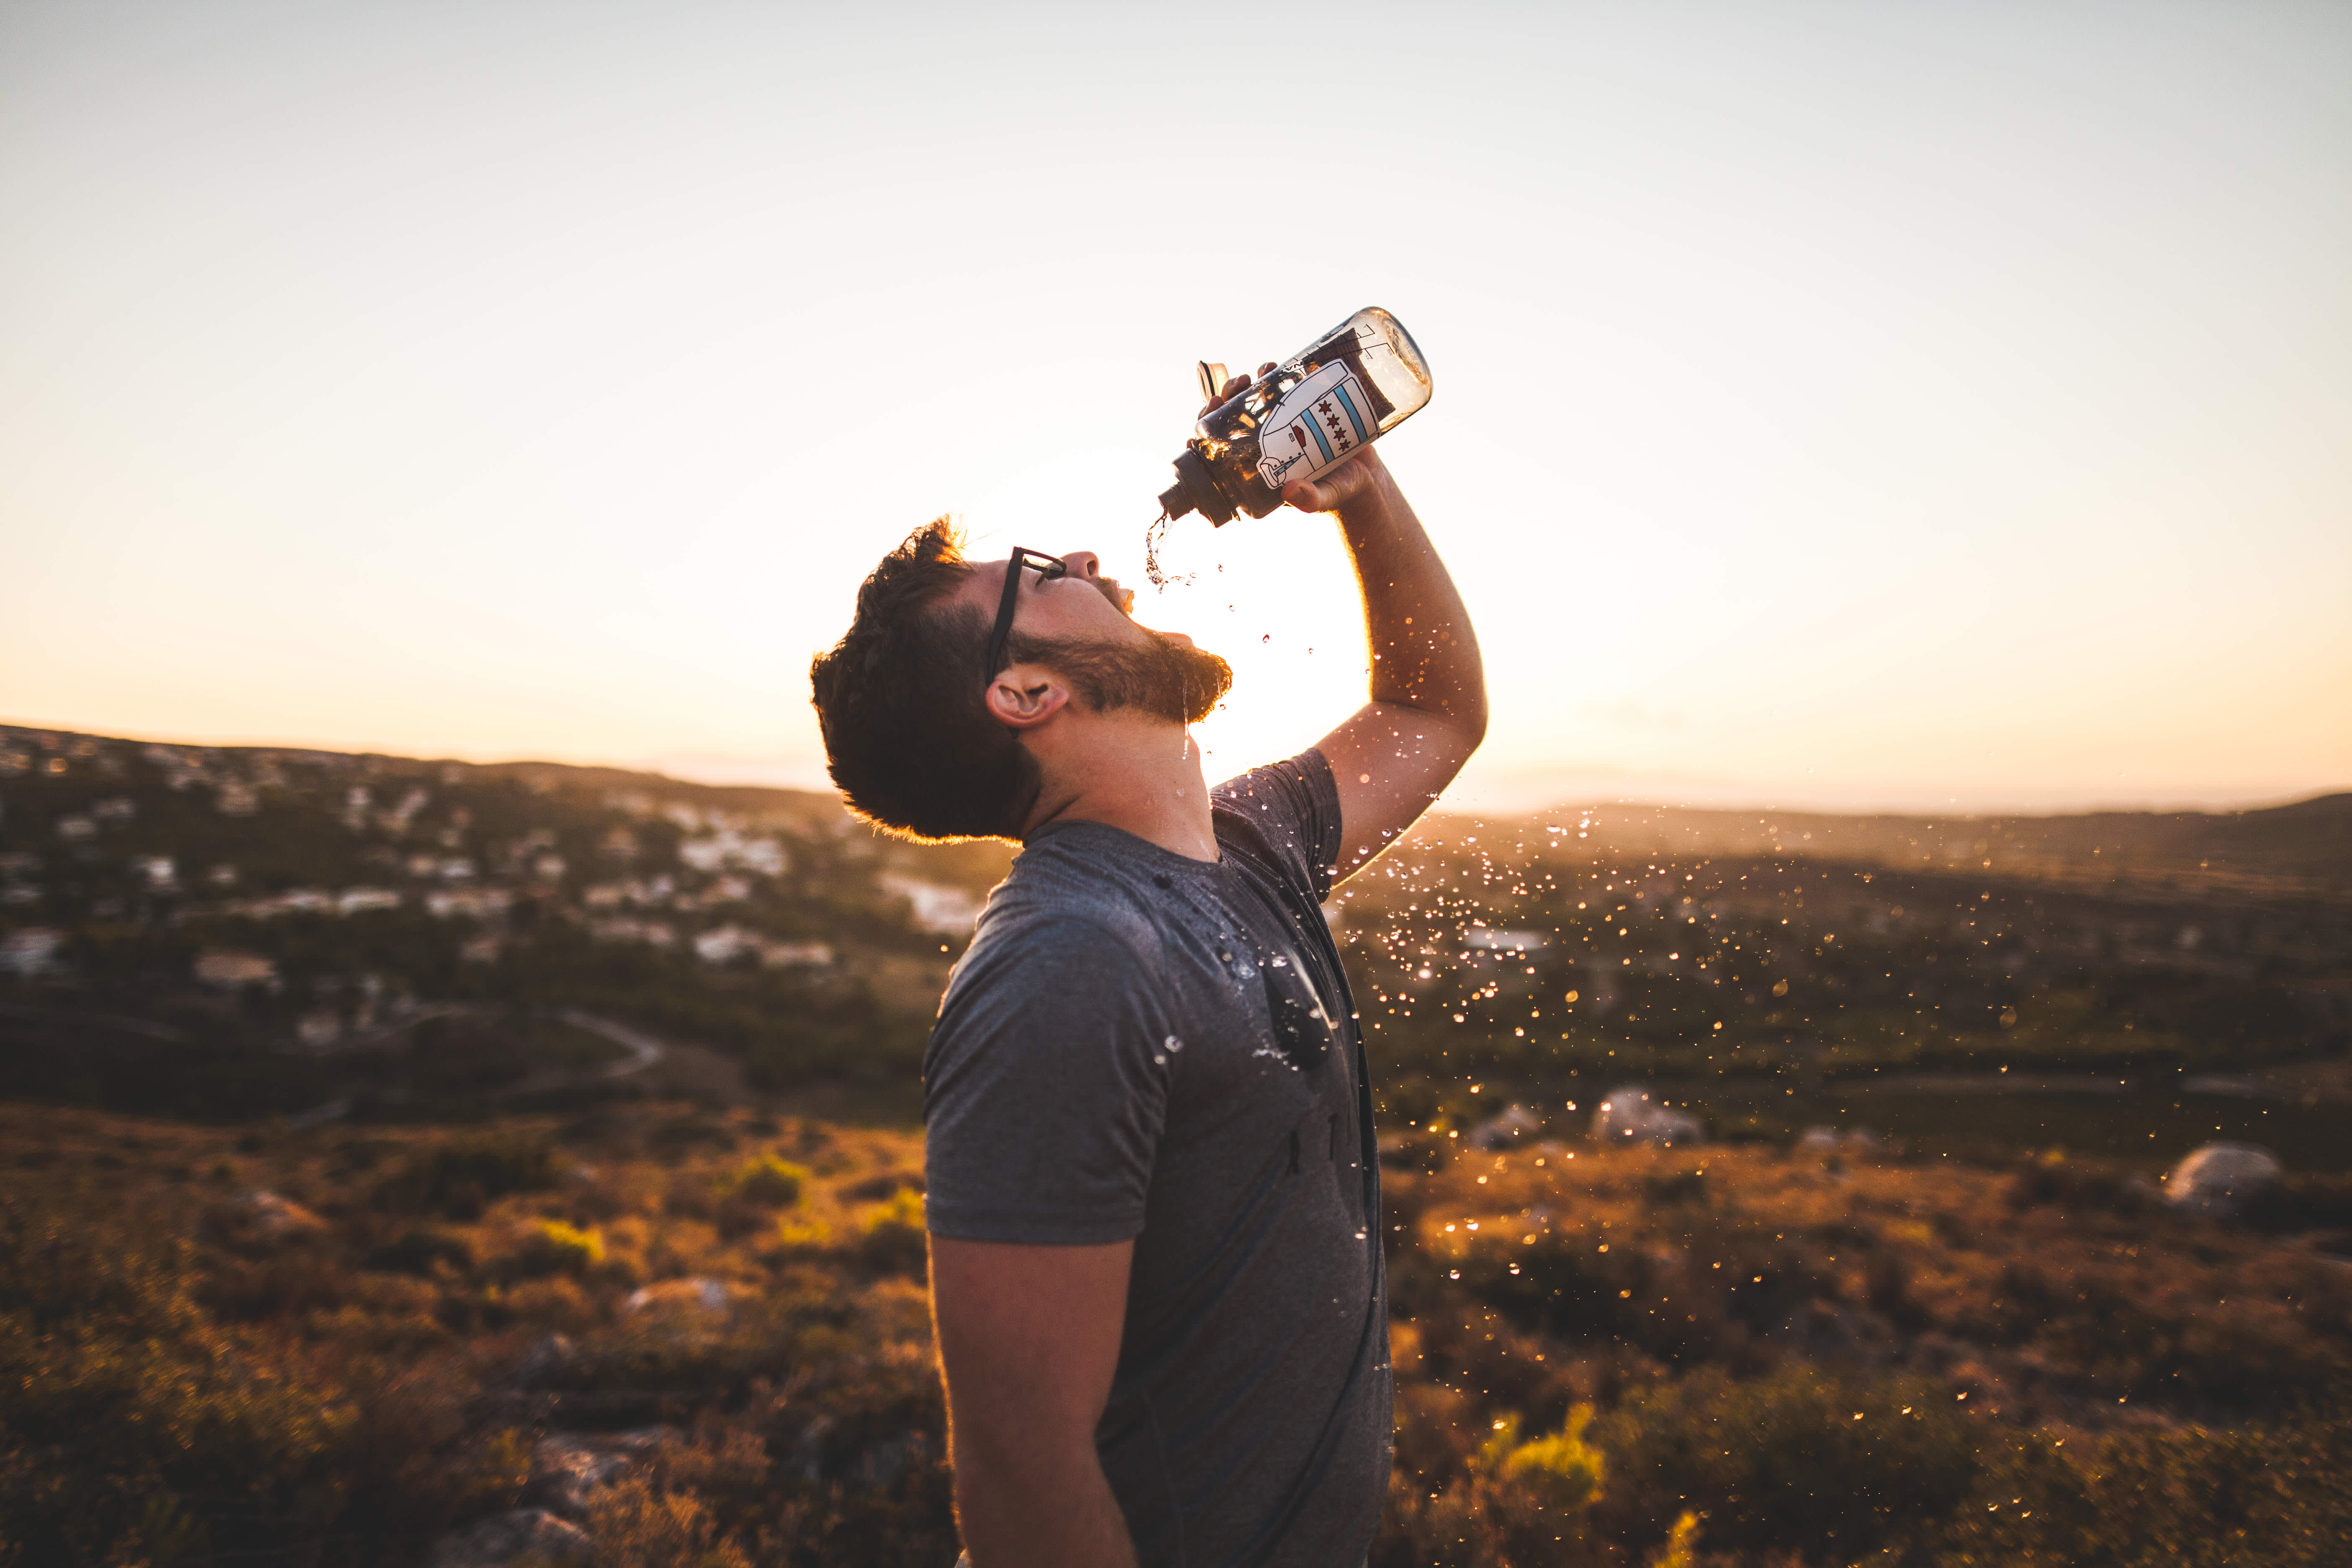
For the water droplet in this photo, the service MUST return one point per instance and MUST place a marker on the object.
(1173, 1044)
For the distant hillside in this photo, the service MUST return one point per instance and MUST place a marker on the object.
(2304, 848)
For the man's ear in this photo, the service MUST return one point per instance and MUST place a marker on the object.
(1024, 695)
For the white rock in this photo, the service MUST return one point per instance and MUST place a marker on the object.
(2215, 1179)
(1630, 1115)
(707, 1294)
(1506, 1131)
(503, 1538)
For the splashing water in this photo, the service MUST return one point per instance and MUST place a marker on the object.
(1153, 538)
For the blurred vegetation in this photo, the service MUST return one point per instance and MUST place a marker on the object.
(339, 1345)
(333, 1310)
(1775, 969)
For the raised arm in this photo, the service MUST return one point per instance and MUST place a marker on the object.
(1028, 1343)
(1428, 710)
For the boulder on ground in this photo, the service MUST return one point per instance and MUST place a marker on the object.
(1631, 1115)
(1508, 1130)
(259, 1217)
(503, 1538)
(2216, 1179)
(700, 1293)
(568, 1467)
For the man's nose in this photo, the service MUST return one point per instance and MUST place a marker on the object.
(1082, 563)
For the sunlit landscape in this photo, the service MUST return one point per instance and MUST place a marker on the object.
(408, 1149)
(1860, 1058)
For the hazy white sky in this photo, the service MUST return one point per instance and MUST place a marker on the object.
(1869, 404)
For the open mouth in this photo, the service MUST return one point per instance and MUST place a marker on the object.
(1123, 599)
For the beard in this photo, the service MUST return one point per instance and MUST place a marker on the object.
(1163, 678)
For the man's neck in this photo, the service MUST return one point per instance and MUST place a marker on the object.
(1138, 775)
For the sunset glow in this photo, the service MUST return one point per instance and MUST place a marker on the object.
(1838, 406)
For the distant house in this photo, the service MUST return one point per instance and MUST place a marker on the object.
(728, 848)
(949, 911)
(238, 798)
(75, 829)
(320, 1029)
(293, 901)
(30, 952)
(161, 874)
(235, 971)
(474, 903)
(723, 944)
(357, 900)
(627, 928)
(726, 943)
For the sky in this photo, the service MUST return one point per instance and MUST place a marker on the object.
(1886, 406)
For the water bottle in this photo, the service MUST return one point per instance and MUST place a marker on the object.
(1300, 420)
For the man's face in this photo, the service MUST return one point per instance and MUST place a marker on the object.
(1083, 624)
(1084, 606)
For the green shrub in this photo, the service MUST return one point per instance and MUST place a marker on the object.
(1562, 1468)
(456, 1181)
(894, 1239)
(133, 1427)
(768, 1182)
(1794, 1455)
(422, 1251)
(2185, 1497)
(1681, 1549)
(556, 1247)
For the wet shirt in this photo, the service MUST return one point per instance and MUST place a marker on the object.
(1141, 1046)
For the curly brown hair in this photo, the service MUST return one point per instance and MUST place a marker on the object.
(908, 737)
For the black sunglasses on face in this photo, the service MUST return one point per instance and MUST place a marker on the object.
(1049, 567)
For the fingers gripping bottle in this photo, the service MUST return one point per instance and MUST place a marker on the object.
(1300, 420)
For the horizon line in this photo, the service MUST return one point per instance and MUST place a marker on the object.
(679, 769)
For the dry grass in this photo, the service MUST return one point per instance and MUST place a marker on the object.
(1733, 1356)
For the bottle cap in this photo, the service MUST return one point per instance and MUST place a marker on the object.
(1194, 490)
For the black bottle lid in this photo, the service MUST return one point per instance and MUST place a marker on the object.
(1195, 489)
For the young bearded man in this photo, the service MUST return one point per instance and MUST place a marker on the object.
(1152, 1184)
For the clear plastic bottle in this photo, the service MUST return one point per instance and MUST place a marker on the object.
(1356, 382)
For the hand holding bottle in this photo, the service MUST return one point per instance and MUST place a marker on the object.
(1293, 432)
(1357, 473)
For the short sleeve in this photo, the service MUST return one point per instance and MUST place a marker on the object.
(1294, 808)
(1043, 1101)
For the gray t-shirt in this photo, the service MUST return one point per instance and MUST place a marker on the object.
(1142, 1046)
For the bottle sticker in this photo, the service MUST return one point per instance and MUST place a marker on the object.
(1323, 419)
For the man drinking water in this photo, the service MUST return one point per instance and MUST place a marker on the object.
(1152, 1184)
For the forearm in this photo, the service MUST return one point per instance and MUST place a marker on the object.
(1020, 1509)
(1428, 711)
(1424, 654)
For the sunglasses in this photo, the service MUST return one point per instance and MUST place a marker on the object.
(1049, 567)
